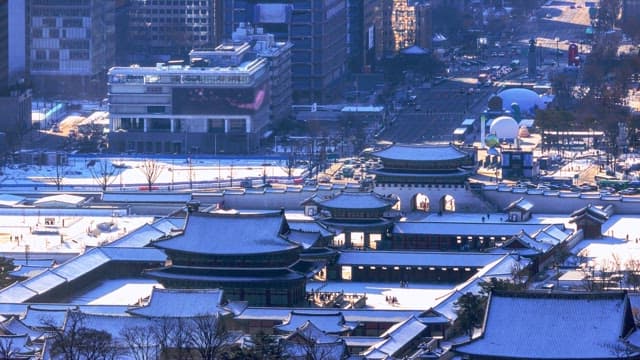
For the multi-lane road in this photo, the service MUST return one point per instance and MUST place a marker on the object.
(443, 107)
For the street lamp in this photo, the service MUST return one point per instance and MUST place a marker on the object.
(557, 50)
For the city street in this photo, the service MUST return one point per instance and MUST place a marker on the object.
(441, 108)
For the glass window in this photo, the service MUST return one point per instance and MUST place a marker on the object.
(346, 273)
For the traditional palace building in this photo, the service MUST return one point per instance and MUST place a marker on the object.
(361, 218)
(422, 164)
(248, 255)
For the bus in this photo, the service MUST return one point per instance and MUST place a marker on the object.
(607, 182)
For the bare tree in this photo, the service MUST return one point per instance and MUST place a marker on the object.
(633, 268)
(73, 340)
(142, 343)
(104, 173)
(60, 169)
(209, 335)
(151, 170)
(307, 347)
(96, 345)
(173, 337)
(65, 342)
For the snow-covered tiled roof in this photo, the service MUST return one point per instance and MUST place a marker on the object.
(552, 326)
(395, 339)
(308, 226)
(306, 239)
(520, 204)
(19, 309)
(595, 212)
(415, 258)
(115, 324)
(148, 197)
(168, 225)
(332, 323)
(228, 234)
(139, 237)
(37, 317)
(16, 327)
(44, 282)
(463, 229)
(134, 254)
(501, 269)
(24, 271)
(16, 293)
(181, 303)
(68, 199)
(76, 267)
(93, 258)
(34, 262)
(356, 200)
(420, 152)
(324, 346)
(10, 200)
(530, 244)
(350, 315)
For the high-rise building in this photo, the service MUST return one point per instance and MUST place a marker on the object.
(316, 28)
(364, 34)
(15, 92)
(72, 47)
(278, 53)
(161, 30)
(219, 103)
(403, 24)
(424, 25)
(631, 14)
(4, 46)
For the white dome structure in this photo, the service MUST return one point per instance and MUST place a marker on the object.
(505, 127)
(527, 99)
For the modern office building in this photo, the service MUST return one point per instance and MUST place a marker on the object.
(72, 47)
(424, 25)
(165, 30)
(219, 103)
(631, 13)
(403, 24)
(15, 92)
(364, 34)
(317, 29)
(278, 53)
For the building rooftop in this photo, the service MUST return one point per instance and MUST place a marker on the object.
(553, 326)
(234, 234)
(420, 152)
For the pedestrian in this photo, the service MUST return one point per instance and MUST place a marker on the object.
(488, 216)
(483, 219)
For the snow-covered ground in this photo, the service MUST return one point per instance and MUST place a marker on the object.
(174, 173)
(66, 234)
(620, 240)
